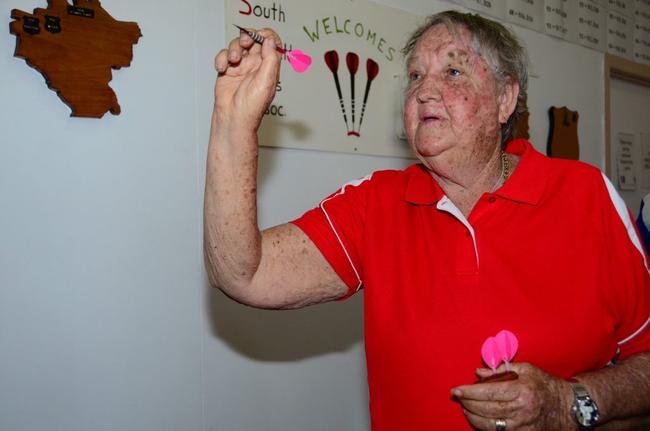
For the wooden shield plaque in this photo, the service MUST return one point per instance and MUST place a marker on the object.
(563, 134)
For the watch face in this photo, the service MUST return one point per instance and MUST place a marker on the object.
(586, 412)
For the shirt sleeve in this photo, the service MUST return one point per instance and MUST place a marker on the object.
(629, 292)
(336, 227)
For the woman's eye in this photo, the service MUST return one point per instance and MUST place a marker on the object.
(414, 76)
(454, 72)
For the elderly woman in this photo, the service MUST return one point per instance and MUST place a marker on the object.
(484, 234)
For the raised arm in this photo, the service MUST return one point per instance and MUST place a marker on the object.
(277, 268)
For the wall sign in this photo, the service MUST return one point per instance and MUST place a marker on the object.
(493, 8)
(587, 24)
(620, 33)
(350, 98)
(626, 161)
(555, 18)
(527, 13)
(641, 38)
(644, 138)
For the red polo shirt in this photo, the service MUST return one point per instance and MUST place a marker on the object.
(551, 256)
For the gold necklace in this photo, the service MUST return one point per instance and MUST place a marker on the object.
(502, 176)
(505, 172)
(505, 166)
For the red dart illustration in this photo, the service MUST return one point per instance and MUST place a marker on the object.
(352, 61)
(332, 61)
(372, 70)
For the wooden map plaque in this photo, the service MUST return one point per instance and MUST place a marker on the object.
(75, 46)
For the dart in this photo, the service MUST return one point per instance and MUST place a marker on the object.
(352, 61)
(332, 61)
(372, 69)
(500, 348)
(298, 60)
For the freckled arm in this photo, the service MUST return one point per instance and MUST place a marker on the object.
(276, 268)
(279, 267)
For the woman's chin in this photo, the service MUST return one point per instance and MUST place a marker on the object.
(429, 149)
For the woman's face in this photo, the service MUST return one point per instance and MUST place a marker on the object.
(453, 107)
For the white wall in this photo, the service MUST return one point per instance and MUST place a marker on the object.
(106, 320)
(100, 278)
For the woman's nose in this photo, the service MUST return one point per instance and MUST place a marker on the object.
(428, 90)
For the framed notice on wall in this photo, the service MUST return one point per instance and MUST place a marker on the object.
(555, 18)
(350, 98)
(626, 161)
(644, 139)
(587, 21)
(527, 13)
(493, 8)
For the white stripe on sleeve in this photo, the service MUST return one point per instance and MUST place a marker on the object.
(624, 214)
(353, 183)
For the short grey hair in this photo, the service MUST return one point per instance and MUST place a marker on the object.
(496, 44)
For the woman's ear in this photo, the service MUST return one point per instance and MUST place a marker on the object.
(508, 100)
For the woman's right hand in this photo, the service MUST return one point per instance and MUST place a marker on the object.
(248, 76)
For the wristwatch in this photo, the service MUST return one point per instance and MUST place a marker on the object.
(585, 410)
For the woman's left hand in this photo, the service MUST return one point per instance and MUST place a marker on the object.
(534, 401)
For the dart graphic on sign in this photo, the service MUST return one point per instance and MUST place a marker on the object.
(372, 70)
(352, 61)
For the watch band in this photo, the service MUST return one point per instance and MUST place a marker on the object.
(579, 390)
(585, 410)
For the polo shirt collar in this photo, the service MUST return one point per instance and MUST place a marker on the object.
(421, 188)
(528, 181)
(526, 184)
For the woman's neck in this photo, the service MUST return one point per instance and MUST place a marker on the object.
(464, 189)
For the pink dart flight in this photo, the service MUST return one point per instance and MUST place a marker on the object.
(491, 353)
(508, 345)
(298, 60)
